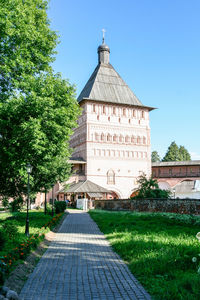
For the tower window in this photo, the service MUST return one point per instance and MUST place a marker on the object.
(110, 177)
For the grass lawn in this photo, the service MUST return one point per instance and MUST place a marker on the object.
(36, 220)
(158, 249)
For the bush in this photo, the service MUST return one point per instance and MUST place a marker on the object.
(60, 206)
(149, 189)
(16, 204)
(5, 202)
(10, 229)
(2, 239)
(2, 272)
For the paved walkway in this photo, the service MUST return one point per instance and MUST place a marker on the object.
(80, 265)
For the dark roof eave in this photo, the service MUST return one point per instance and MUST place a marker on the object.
(176, 163)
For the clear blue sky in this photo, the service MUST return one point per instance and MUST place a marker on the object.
(155, 47)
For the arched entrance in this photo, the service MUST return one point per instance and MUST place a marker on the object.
(112, 195)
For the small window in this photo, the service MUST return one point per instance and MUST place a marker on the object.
(133, 113)
(96, 136)
(94, 108)
(127, 139)
(133, 139)
(115, 138)
(139, 140)
(102, 137)
(142, 114)
(144, 140)
(109, 138)
(121, 139)
(114, 110)
(124, 112)
(104, 109)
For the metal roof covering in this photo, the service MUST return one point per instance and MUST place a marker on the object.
(86, 186)
(106, 85)
(77, 161)
(176, 163)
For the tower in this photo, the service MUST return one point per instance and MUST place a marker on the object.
(113, 135)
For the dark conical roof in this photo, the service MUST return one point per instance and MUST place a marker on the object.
(106, 85)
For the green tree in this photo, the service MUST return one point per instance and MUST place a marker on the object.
(149, 189)
(184, 154)
(172, 153)
(38, 109)
(175, 153)
(155, 156)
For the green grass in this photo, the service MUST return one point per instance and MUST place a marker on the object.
(158, 249)
(36, 220)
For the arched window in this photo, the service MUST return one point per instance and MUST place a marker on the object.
(143, 114)
(109, 138)
(133, 139)
(96, 136)
(139, 140)
(127, 139)
(121, 138)
(104, 109)
(115, 138)
(102, 137)
(124, 112)
(110, 177)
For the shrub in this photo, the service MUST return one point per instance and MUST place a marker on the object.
(2, 272)
(16, 204)
(149, 189)
(5, 202)
(10, 229)
(2, 239)
(60, 206)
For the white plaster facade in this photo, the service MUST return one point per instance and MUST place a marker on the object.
(114, 138)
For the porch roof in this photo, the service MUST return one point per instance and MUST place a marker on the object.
(86, 186)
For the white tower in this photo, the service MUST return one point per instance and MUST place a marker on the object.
(113, 136)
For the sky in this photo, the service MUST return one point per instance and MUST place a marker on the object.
(154, 46)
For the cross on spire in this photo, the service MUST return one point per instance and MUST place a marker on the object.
(103, 30)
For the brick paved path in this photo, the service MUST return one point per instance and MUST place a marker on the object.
(80, 265)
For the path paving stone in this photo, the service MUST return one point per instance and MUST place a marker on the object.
(80, 265)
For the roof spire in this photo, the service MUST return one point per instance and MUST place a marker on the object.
(103, 40)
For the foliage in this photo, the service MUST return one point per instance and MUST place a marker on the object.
(2, 238)
(196, 259)
(16, 204)
(155, 157)
(2, 271)
(5, 202)
(60, 206)
(184, 154)
(18, 248)
(175, 153)
(158, 248)
(38, 109)
(10, 229)
(149, 189)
